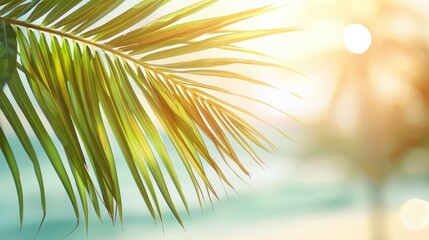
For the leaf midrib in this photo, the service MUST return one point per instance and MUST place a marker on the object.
(101, 46)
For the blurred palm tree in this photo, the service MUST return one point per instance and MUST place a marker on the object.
(93, 70)
(390, 89)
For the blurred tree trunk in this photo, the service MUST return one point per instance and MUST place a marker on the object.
(377, 210)
(372, 142)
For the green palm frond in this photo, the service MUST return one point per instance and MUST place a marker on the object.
(88, 78)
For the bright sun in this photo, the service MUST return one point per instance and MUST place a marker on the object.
(357, 38)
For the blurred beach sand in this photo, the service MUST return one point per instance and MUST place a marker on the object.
(332, 226)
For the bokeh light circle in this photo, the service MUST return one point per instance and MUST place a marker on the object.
(415, 214)
(357, 38)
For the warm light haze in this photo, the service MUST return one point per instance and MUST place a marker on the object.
(351, 96)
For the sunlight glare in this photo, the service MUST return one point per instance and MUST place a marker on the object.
(271, 97)
(357, 38)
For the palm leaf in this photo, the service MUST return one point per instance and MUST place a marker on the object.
(87, 77)
(8, 51)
